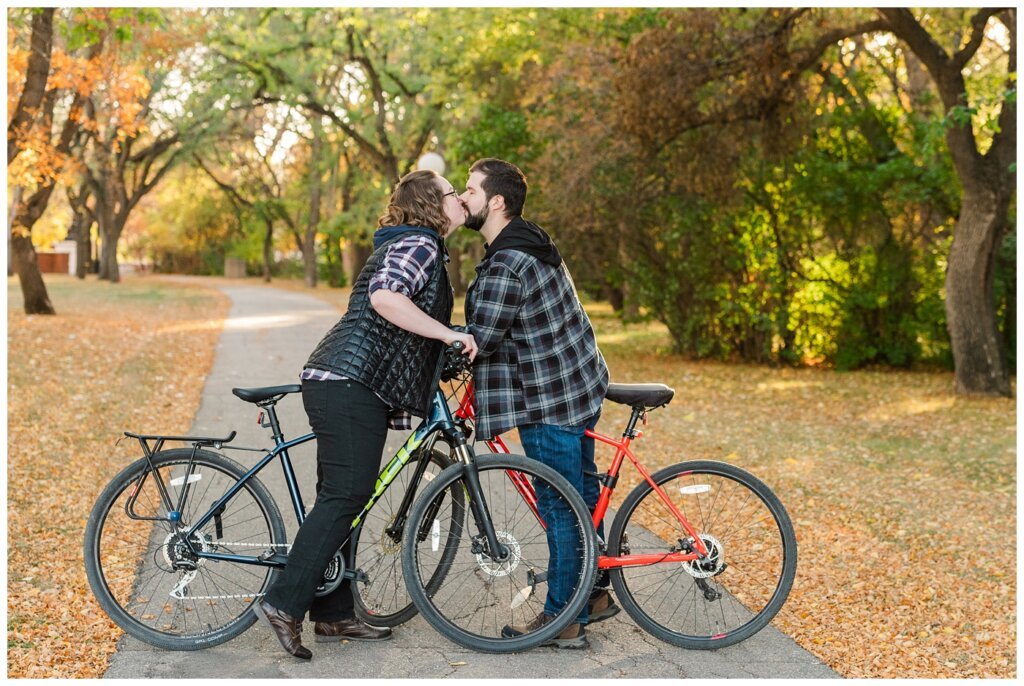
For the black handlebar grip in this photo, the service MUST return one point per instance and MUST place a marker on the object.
(458, 346)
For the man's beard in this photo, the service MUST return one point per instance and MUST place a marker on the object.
(476, 221)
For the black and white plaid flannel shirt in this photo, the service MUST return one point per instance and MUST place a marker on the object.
(538, 360)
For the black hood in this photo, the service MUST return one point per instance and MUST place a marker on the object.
(526, 237)
(386, 233)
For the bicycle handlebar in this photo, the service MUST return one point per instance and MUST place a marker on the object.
(455, 361)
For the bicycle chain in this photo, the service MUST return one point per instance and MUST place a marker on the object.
(220, 597)
(253, 545)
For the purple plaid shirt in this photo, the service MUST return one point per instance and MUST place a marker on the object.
(406, 269)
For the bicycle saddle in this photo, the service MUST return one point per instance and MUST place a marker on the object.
(255, 395)
(645, 396)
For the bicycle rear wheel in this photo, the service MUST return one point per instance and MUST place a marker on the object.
(383, 600)
(474, 596)
(750, 569)
(143, 573)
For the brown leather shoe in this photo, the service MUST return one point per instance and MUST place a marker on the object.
(349, 629)
(287, 629)
(572, 637)
(601, 606)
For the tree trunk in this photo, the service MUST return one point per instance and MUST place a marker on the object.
(309, 258)
(110, 226)
(455, 271)
(309, 244)
(355, 257)
(268, 244)
(978, 353)
(81, 229)
(15, 200)
(26, 214)
(309, 240)
(37, 73)
(615, 296)
(83, 251)
(109, 269)
(630, 305)
(33, 290)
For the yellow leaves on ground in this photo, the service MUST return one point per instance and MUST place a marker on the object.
(131, 356)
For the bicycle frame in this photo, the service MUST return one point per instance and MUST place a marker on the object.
(438, 422)
(608, 481)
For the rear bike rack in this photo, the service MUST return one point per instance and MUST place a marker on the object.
(144, 439)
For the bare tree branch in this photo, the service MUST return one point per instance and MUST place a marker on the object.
(978, 21)
(228, 189)
(908, 29)
(811, 54)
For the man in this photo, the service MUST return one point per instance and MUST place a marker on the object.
(538, 367)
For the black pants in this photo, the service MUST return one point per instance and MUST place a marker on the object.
(351, 426)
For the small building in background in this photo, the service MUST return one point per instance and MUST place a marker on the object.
(66, 253)
(61, 259)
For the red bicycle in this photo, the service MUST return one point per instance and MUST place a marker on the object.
(701, 554)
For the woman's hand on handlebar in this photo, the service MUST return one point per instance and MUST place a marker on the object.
(468, 343)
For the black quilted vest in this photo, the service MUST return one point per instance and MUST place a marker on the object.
(397, 365)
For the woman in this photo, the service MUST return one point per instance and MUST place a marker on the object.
(376, 364)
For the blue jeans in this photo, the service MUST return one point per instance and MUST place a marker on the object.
(569, 452)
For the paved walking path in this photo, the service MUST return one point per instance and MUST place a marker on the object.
(267, 337)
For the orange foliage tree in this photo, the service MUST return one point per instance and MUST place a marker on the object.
(136, 119)
(47, 85)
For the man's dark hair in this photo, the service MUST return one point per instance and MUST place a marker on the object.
(504, 179)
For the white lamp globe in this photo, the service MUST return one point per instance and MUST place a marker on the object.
(431, 161)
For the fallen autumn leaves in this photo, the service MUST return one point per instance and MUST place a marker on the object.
(121, 357)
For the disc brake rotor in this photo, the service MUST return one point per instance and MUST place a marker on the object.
(505, 567)
(710, 566)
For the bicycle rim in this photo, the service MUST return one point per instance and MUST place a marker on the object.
(479, 596)
(751, 566)
(146, 578)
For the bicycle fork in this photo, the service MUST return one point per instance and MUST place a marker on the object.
(485, 526)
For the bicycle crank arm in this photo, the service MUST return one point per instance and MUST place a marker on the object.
(356, 575)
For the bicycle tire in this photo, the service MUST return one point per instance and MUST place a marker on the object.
(127, 585)
(475, 577)
(384, 600)
(755, 541)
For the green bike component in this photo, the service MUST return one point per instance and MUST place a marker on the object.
(389, 473)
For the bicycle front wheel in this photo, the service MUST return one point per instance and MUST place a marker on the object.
(477, 596)
(383, 599)
(145, 574)
(744, 581)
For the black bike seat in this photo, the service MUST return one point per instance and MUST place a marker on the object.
(640, 395)
(255, 395)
